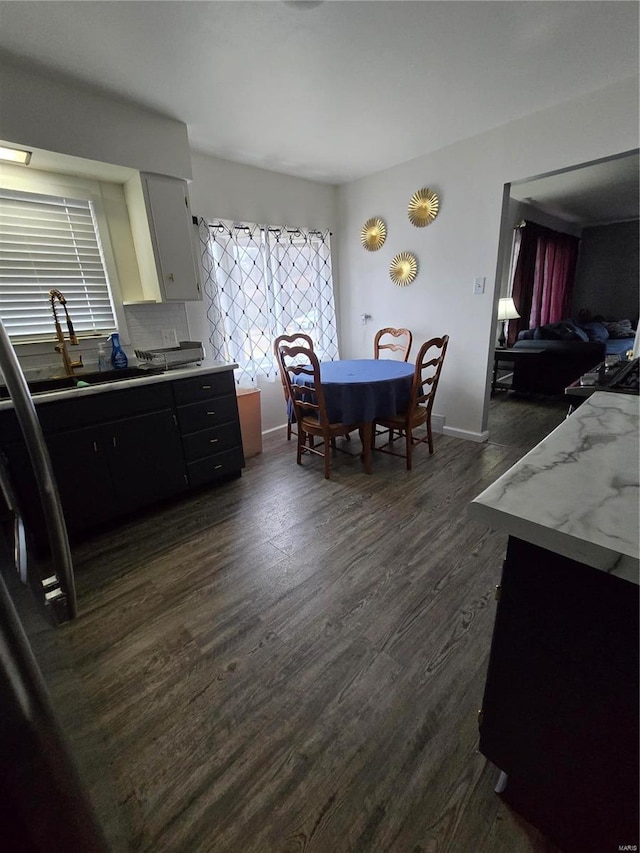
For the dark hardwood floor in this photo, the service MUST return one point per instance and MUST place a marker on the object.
(286, 663)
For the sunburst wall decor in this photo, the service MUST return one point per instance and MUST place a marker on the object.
(403, 269)
(423, 207)
(373, 234)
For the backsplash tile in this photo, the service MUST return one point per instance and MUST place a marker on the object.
(146, 322)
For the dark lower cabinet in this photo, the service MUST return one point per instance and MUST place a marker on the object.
(145, 460)
(121, 451)
(560, 708)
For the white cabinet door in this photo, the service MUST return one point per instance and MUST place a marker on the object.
(171, 227)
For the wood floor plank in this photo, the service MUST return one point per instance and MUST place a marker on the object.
(288, 663)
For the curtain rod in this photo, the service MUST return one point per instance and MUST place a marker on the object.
(272, 230)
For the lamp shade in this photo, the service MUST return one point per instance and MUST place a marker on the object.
(507, 309)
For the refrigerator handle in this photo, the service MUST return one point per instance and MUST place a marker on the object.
(42, 468)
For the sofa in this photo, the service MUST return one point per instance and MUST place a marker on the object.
(569, 349)
(559, 364)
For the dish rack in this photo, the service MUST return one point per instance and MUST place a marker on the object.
(166, 358)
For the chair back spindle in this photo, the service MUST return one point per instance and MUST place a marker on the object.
(402, 340)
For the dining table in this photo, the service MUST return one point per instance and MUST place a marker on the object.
(363, 390)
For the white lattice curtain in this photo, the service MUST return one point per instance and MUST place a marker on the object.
(261, 282)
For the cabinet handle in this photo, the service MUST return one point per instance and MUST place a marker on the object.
(95, 446)
(114, 441)
(217, 467)
(175, 420)
(206, 387)
(211, 413)
(213, 441)
(170, 277)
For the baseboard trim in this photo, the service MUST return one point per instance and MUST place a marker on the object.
(275, 429)
(437, 423)
(466, 434)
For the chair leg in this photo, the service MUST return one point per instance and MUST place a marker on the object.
(288, 430)
(300, 443)
(334, 448)
(327, 458)
(409, 445)
(429, 434)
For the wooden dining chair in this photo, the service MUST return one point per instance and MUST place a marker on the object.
(403, 345)
(309, 404)
(289, 339)
(423, 391)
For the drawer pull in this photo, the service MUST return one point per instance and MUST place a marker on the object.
(211, 413)
(217, 467)
(206, 387)
(213, 441)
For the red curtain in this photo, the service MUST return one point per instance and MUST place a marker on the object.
(543, 278)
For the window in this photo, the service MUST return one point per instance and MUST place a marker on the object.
(261, 282)
(51, 242)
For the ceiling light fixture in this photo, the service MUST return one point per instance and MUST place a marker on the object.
(15, 155)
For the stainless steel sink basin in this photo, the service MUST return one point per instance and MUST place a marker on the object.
(62, 383)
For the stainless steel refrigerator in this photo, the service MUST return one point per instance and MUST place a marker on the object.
(43, 803)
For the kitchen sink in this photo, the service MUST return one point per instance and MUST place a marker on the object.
(62, 383)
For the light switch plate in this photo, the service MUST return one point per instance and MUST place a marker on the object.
(478, 284)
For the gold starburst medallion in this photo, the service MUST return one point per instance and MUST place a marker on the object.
(423, 207)
(403, 269)
(373, 234)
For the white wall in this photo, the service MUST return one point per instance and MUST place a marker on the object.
(229, 190)
(462, 242)
(57, 116)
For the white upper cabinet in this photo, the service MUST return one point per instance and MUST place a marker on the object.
(163, 232)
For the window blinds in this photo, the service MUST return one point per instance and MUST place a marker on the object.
(51, 242)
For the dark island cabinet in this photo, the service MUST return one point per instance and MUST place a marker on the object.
(207, 411)
(560, 708)
(122, 451)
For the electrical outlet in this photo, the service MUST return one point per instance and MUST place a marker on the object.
(169, 338)
(478, 284)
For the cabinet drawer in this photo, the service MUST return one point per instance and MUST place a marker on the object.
(204, 387)
(205, 470)
(206, 415)
(211, 441)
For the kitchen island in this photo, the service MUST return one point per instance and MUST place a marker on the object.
(559, 715)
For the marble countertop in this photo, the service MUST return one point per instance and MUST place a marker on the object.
(207, 366)
(577, 492)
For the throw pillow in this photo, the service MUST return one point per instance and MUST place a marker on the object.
(595, 331)
(619, 329)
(573, 324)
(556, 332)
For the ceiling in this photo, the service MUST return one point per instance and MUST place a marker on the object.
(331, 91)
(597, 194)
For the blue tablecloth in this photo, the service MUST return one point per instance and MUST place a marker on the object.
(362, 390)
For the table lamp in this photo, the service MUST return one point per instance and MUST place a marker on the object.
(506, 311)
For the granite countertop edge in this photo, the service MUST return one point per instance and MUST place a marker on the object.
(576, 493)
